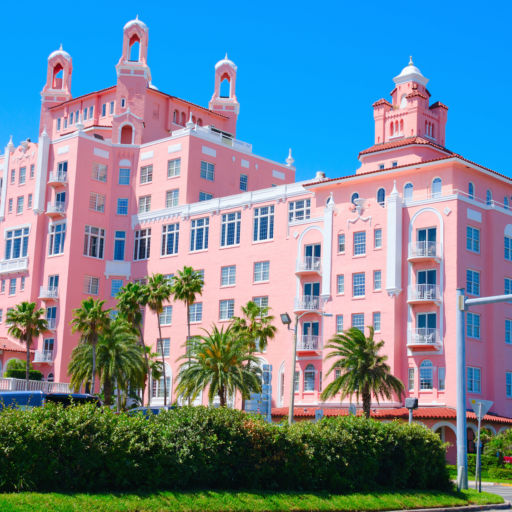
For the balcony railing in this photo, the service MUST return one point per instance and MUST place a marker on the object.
(52, 323)
(10, 266)
(43, 356)
(58, 207)
(424, 293)
(310, 264)
(308, 342)
(9, 384)
(50, 292)
(423, 250)
(308, 303)
(58, 177)
(425, 336)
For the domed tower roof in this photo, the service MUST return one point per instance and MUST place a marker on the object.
(136, 21)
(61, 52)
(225, 60)
(410, 74)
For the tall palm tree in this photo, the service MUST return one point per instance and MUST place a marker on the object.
(91, 320)
(25, 323)
(255, 326)
(219, 361)
(158, 290)
(363, 370)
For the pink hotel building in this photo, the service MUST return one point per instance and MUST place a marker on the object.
(129, 181)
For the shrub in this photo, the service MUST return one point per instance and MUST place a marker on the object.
(501, 473)
(86, 448)
(21, 374)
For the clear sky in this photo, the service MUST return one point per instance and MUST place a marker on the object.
(308, 72)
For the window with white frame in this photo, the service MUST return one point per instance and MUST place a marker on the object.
(97, 202)
(376, 321)
(243, 182)
(94, 242)
(16, 243)
(196, 312)
(228, 275)
(261, 271)
(436, 187)
(119, 245)
(473, 282)
(171, 198)
(377, 238)
(226, 309)
(146, 174)
(10, 204)
(377, 280)
(99, 172)
(473, 325)
(170, 238)
(22, 176)
(508, 384)
(474, 380)
(508, 248)
(124, 176)
(19, 204)
(341, 242)
(199, 230)
(410, 379)
(122, 206)
(426, 375)
(508, 286)
(22, 283)
(163, 345)
(111, 110)
(173, 167)
(1, 315)
(339, 324)
(441, 378)
(358, 284)
(144, 204)
(13, 176)
(296, 377)
(359, 243)
(205, 196)
(299, 210)
(340, 283)
(142, 244)
(207, 171)
(29, 201)
(2, 286)
(508, 331)
(104, 109)
(309, 378)
(166, 315)
(472, 239)
(157, 386)
(115, 287)
(51, 317)
(32, 171)
(91, 285)
(263, 223)
(12, 286)
(261, 302)
(230, 229)
(358, 321)
(57, 237)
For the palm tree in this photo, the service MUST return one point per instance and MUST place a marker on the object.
(363, 370)
(219, 361)
(25, 323)
(158, 291)
(91, 320)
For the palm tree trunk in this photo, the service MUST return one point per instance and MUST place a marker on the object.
(147, 367)
(367, 402)
(107, 389)
(188, 340)
(93, 377)
(163, 359)
(27, 366)
(222, 396)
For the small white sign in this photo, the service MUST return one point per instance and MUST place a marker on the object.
(481, 407)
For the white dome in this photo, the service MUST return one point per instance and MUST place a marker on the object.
(136, 21)
(225, 60)
(60, 51)
(410, 74)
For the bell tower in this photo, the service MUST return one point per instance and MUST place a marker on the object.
(224, 98)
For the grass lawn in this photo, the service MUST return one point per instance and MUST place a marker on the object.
(471, 476)
(223, 501)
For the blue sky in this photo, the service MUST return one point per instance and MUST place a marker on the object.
(308, 72)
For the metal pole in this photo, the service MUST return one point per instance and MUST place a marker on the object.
(462, 459)
(410, 416)
(478, 454)
(294, 362)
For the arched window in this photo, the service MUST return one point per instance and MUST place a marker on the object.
(309, 378)
(50, 377)
(436, 187)
(200, 122)
(396, 127)
(488, 197)
(403, 101)
(401, 125)
(426, 127)
(176, 117)
(355, 196)
(381, 196)
(126, 134)
(225, 87)
(157, 386)
(505, 202)
(408, 191)
(134, 48)
(471, 190)
(58, 76)
(194, 119)
(426, 375)
(391, 128)
(432, 127)
(183, 119)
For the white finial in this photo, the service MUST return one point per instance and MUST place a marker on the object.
(290, 160)
(411, 63)
(60, 47)
(190, 123)
(226, 56)
(80, 124)
(10, 143)
(137, 17)
(394, 191)
(44, 133)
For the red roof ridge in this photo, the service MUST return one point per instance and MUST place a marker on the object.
(12, 346)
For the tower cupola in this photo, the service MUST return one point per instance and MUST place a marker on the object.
(410, 74)
(135, 50)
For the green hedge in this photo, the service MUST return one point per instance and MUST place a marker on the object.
(92, 449)
(21, 374)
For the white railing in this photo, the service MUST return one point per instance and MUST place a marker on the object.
(56, 207)
(425, 336)
(50, 292)
(52, 322)
(308, 303)
(310, 263)
(424, 292)
(17, 265)
(10, 384)
(58, 177)
(423, 249)
(43, 356)
(308, 342)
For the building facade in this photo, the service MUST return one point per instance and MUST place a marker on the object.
(129, 181)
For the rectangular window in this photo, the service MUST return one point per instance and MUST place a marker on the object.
(359, 243)
(341, 243)
(9, 208)
(71, 117)
(19, 204)
(473, 282)
(146, 174)
(164, 345)
(299, 210)
(358, 284)
(173, 167)
(29, 201)
(196, 312)
(472, 239)
(473, 325)
(226, 309)
(97, 202)
(228, 275)
(2, 286)
(207, 171)
(340, 283)
(124, 176)
(144, 204)
(22, 176)
(142, 244)
(508, 248)
(230, 229)
(32, 171)
(243, 182)
(13, 176)
(166, 315)
(57, 238)
(58, 124)
(12, 286)
(377, 238)
(91, 285)
(411, 379)
(296, 378)
(16, 243)
(474, 380)
(51, 317)
(377, 280)
(376, 321)
(84, 114)
(122, 206)
(119, 245)
(170, 238)
(115, 287)
(358, 321)
(171, 198)
(22, 283)
(204, 196)
(261, 271)
(508, 331)
(104, 109)
(91, 112)
(199, 234)
(339, 324)
(263, 223)
(441, 379)
(261, 302)
(99, 172)
(508, 380)
(94, 242)
(111, 107)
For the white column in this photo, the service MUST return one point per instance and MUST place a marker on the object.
(327, 249)
(43, 150)
(3, 193)
(394, 243)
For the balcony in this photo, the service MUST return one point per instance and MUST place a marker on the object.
(424, 293)
(425, 338)
(52, 323)
(56, 209)
(12, 266)
(11, 384)
(58, 179)
(43, 356)
(306, 303)
(424, 251)
(310, 265)
(48, 293)
(309, 343)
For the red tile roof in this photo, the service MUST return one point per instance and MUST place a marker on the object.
(402, 142)
(101, 91)
(382, 101)
(11, 346)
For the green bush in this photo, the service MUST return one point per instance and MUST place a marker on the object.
(501, 473)
(87, 448)
(21, 374)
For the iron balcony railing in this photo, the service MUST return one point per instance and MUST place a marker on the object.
(16, 265)
(56, 207)
(425, 336)
(423, 249)
(308, 303)
(43, 356)
(52, 323)
(310, 264)
(58, 177)
(309, 342)
(50, 292)
(424, 292)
